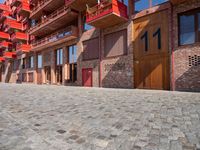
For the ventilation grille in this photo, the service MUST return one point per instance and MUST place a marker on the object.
(194, 60)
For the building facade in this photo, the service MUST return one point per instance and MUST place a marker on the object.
(110, 43)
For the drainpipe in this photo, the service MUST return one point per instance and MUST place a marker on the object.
(100, 59)
(172, 48)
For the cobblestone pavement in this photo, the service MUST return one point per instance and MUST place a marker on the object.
(34, 117)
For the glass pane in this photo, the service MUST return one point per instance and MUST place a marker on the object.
(157, 2)
(75, 54)
(32, 62)
(87, 27)
(187, 29)
(61, 56)
(57, 55)
(199, 21)
(141, 5)
(39, 61)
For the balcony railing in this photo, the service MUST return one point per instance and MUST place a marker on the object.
(23, 48)
(70, 32)
(3, 15)
(80, 5)
(2, 59)
(177, 1)
(39, 5)
(11, 24)
(5, 44)
(9, 55)
(18, 2)
(4, 7)
(115, 8)
(19, 36)
(4, 36)
(24, 9)
(49, 18)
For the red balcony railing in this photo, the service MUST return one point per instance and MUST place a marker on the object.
(4, 7)
(19, 36)
(9, 55)
(23, 48)
(40, 5)
(5, 44)
(11, 24)
(4, 36)
(110, 11)
(80, 5)
(2, 59)
(68, 33)
(3, 15)
(18, 2)
(24, 9)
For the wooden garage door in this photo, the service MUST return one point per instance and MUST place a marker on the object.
(151, 59)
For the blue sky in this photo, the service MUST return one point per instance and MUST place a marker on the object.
(1, 1)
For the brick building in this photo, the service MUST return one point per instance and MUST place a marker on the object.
(109, 43)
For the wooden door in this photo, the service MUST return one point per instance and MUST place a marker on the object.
(47, 74)
(59, 73)
(151, 51)
(39, 76)
(87, 77)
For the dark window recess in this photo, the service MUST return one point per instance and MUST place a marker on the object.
(24, 77)
(189, 27)
(30, 77)
(194, 60)
(91, 49)
(24, 63)
(115, 44)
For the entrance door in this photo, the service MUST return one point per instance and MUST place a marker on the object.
(0, 73)
(151, 60)
(47, 70)
(59, 74)
(87, 77)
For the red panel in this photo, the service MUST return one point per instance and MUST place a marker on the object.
(5, 44)
(9, 55)
(12, 24)
(4, 7)
(2, 59)
(106, 8)
(19, 36)
(24, 48)
(87, 77)
(4, 35)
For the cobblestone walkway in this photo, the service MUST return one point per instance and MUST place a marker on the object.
(36, 117)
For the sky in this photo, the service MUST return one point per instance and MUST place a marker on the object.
(1, 1)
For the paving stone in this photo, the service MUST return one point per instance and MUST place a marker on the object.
(34, 117)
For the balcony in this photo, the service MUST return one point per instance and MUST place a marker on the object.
(24, 9)
(107, 14)
(11, 25)
(19, 36)
(177, 1)
(2, 59)
(4, 15)
(23, 48)
(62, 36)
(9, 55)
(4, 7)
(16, 3)
(4, 36)
(5, 45)
(54, 21)
(80, 5)
(45, 6)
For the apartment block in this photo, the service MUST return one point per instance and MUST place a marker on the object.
(145, 44)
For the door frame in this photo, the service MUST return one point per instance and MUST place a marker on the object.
(89, 69)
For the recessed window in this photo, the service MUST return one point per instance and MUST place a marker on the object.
(59, 56)
(39, 61)
(189, 28)
(72, 54)
(31, 62)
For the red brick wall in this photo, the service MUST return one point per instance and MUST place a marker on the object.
(186, 77)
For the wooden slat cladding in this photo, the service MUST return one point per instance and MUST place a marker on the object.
(91, 49)
(115, 44)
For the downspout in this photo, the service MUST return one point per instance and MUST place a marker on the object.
(172, 50)
(100, 59)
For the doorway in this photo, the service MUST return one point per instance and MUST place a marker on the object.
(47, 70)
(87, 77)
(151, 51)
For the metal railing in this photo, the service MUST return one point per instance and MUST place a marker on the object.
(52, 16)
(71, 30)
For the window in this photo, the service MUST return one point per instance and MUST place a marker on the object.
(189, 28)
(91, 49)
(39, 61)
(145, 4)
(31, 62)
(86, 26)
(115, 44)
(72, 54)
(59, 57)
